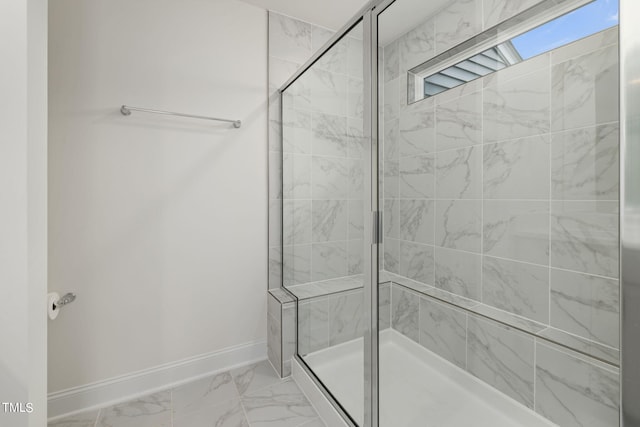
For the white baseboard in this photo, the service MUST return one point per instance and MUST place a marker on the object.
(136, 384)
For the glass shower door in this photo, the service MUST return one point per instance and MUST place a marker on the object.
(498, 287)
(326, 202)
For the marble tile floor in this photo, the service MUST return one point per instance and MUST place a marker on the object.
(250, 396)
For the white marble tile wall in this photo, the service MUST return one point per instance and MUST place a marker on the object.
(503, 173)
(567, 387)
(322, 169)
(315, 185)
(329, 320)
(281, 330)
(505, 191)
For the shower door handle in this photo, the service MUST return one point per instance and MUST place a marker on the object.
(376, 221)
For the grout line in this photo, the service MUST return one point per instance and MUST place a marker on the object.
(97, 417)
(535, 370)
(244, 410)
(466, 341)
(171, 406)
(550, 216)
(481, 294)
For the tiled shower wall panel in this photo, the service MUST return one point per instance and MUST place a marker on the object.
(505, 191)
(289, 47)
(323, 321)
(567, 387)
(321, 149)
(330, 320)
(322, 164)
(322, 192)
(281, 330)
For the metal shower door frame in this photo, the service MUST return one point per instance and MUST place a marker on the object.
(629, 213)
(629, 208)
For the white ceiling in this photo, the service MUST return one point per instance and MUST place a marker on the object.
(332, 14)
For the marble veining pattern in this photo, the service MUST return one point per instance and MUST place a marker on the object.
(356, 179)
(296, 131)
(149, 411)
(85, 419)
(328, 92)
(330, 220)
(458, 174)
(501, 357)
(313, 325)
(296, 176)
(355, 98)
(405, 306)
(417, 46)
(582, 92)
(496, 11)
(391, 177)
(391, 218)
(584, 237)
(355, 260)
(517, 169)
(356, 219)
(289, 39)
(346, 317)
(572, 392)
(585, 164)
(335, 59)
(534, 151)
(417, 177)
(391, 105)
(416, 220)
(274, 338)
(458, 272)
(282, 405)
(417, 130)
(196, 395)
(229, 413)
(296, 264)
(517, 230)
(459, 122)
(391, 250)
(296, 222)
(384, 306)
(517, 108)
(391, 64)
(329, 135)
(459, 21)
(417, 262)
(516, 287)
(601, 351)
(443, 330)
(458, 224)
(329, 260)
(330, 177)
(391, 139)
(588, 306)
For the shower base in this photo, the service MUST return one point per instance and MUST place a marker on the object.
(418, 388)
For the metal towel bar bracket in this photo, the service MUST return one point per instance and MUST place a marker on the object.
(64, 300)
(126, 111)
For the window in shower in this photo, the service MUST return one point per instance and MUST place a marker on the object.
(580, 23)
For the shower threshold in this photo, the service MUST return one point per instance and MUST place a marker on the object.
(417, 387)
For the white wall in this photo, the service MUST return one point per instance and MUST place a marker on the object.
(158, 224)
(23, 208)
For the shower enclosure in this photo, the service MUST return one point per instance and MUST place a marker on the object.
(458, 214)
